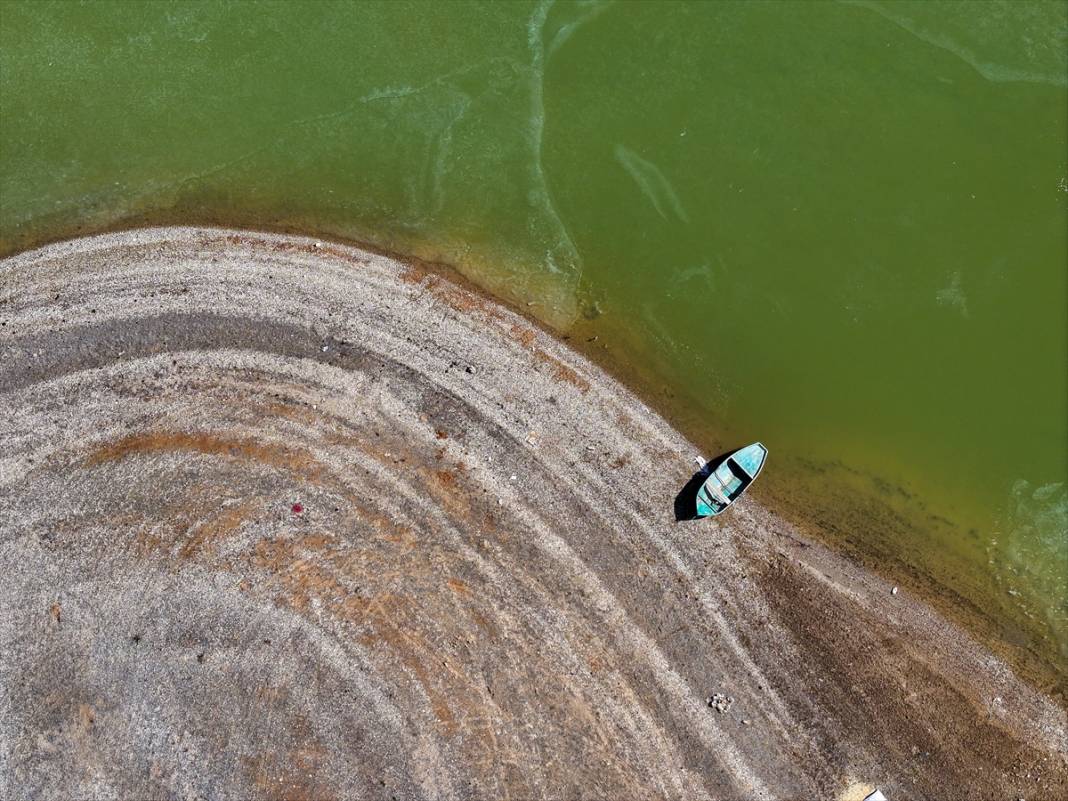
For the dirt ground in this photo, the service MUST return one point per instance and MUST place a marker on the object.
(282, 519)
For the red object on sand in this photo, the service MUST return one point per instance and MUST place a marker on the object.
(297, 508)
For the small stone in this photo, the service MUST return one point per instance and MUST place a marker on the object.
(893, 591)
(719, 702)
(469, 369)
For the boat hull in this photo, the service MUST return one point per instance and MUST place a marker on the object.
(731, 478)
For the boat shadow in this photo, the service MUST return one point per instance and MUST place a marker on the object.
(686, 500)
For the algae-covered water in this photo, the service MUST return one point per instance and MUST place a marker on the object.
(840, 228)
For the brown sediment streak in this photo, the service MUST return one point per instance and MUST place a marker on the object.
(525, 336)
(207, 444)
(206, 536)
(346, 529)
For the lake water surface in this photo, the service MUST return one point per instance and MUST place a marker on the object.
(840, 227)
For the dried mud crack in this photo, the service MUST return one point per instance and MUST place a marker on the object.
(288, 520)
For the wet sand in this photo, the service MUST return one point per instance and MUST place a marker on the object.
(282, 519)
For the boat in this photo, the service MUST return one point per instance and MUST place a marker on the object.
(730, 479)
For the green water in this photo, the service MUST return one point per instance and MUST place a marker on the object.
(841, 228)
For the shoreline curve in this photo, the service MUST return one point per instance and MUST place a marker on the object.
(284, 518)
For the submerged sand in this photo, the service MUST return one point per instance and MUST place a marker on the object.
(282, 519)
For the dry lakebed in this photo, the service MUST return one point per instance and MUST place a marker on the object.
(286, 519)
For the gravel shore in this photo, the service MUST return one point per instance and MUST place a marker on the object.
(284, 519)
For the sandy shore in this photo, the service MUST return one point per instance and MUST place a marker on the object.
(282, 519)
